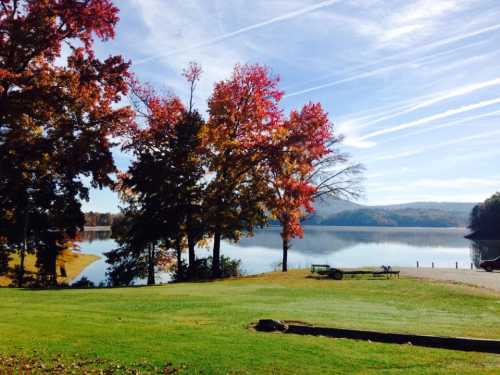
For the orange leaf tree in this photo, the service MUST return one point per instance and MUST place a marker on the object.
(301, 142)
(244, 115)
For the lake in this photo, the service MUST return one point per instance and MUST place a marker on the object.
(338, 246)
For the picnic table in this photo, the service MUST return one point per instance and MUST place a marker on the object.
(338, 274)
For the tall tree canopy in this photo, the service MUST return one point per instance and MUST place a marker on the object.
(166, 177)
(244, 116)
(307, 167)
(58, 113)
(302, 142)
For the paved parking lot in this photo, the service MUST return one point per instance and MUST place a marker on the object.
(480, 278)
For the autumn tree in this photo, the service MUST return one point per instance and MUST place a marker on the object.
(301, 142)
(57, 113)
(307, 166)
(243, 116)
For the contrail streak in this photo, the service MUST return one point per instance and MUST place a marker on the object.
(435, 146)
(428, 119)
(444, 126)
(399, 65)
(283, 17)
(464, 90)
(355, 69)
(348, 79)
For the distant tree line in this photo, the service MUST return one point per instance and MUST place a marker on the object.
(96, 219)
(408, 217)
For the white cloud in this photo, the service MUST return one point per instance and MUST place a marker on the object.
(416, 20)
(181, 25)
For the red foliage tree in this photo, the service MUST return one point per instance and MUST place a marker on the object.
(244, 116)
(301, 141)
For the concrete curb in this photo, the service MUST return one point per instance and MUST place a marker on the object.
(451, 343)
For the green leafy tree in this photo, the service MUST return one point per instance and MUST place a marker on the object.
(140, 253)
(166, 176)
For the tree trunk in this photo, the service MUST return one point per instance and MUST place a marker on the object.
(191, 242)
(151, 265)
(179, 256)
(53, 270)
(24, 250)
(216, 255)
(191, 253)
(20, 276)
(284, 263)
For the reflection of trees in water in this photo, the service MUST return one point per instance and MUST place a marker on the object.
(323, 240)
(482, 250)
(97, 235)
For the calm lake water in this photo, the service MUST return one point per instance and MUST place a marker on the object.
(337, 246)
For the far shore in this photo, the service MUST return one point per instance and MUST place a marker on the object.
(97, 229)
(339, 227)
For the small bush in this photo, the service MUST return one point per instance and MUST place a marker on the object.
(4, 260)
(83, 283)
(202, 269)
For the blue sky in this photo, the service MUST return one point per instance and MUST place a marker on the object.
(414, 85)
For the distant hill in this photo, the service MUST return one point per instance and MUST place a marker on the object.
(444, 206)
(408, 217)
(419, 214)
(328, 207)
(331, 211)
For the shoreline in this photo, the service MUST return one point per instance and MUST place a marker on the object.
(97, 229)
(340, 227)
(74, 263)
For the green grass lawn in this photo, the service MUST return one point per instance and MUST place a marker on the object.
(204, 326)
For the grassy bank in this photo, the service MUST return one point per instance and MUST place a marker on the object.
(203, 326)
(74, 264)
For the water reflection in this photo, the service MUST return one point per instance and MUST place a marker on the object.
(95, 235)
(319, 239)
(483, 250)
(337, 246)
